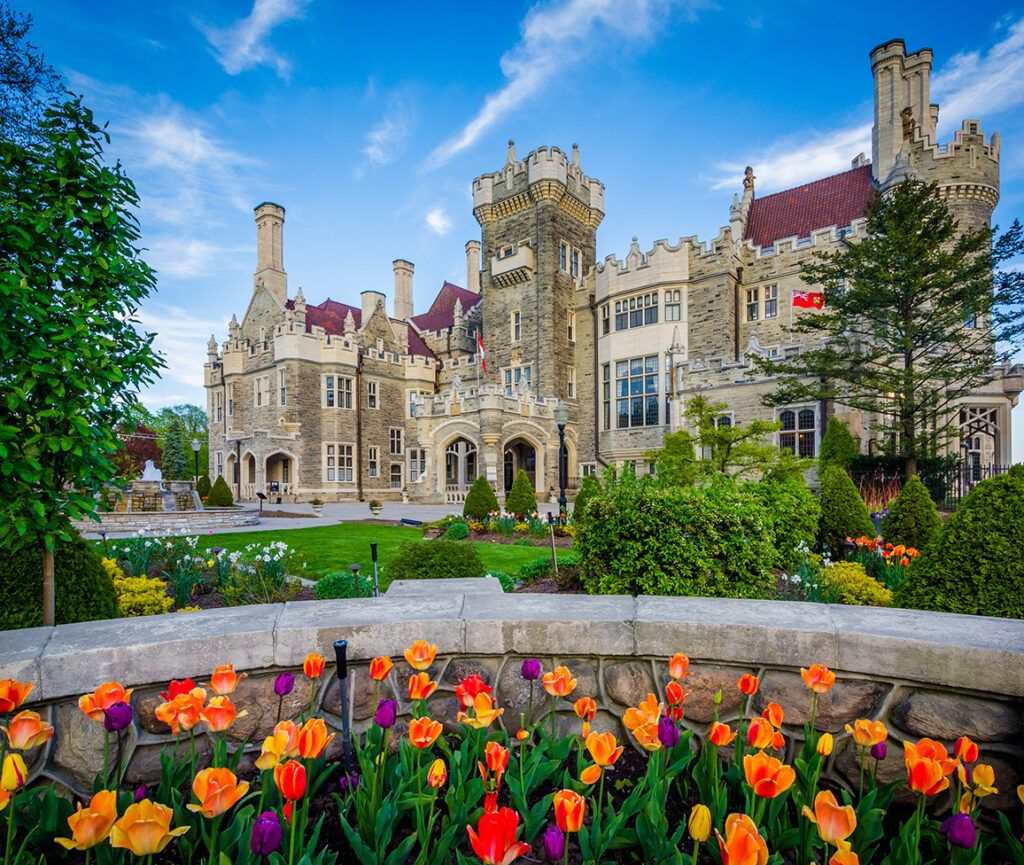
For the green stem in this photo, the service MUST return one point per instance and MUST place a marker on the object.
(917, 822)
(554, 700)
(10, 828)
(814, 715)
(565, 857)
(117, 772)
(529, 708)
(600, 794)
(312, 696)
(88, 855)
(860, 793)
(106, 753)
(430, 821)
(291, 840)
(213, 840)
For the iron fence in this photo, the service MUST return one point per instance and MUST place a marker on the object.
(947, 485)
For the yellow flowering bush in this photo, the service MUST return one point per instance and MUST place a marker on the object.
(113, 571)
(476, 526)
(521, 528)
(854, 586)
(142, 596)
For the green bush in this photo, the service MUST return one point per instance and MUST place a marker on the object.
(794, 512)
(480, 500)
(521, 499)
(568, 570)
(912, 519)
(974, 564)
(837, 445)
(437, 559)
(851, 583)
(843, 512)
(83, 588)
(204, 486)
(508, 584)
(536, 570)
(341, 584)
(523, 542)
(590, 486)
(457, 531)
(713, 540)
(220, 494)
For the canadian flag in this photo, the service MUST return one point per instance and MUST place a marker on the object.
(480, 348)
(809, 299)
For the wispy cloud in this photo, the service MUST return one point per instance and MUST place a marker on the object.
(188, 257)
(244, 44)
(386, 141)
(438, 221)
(556, 35)
(181, 338)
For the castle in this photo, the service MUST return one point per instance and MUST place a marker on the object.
(346, 402)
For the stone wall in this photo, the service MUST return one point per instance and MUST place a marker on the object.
(923, 674)
(170, 522)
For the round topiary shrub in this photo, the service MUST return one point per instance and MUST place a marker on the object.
(204, 486)
(480, 500)
(974, 564)
(843, 512)
(340, 584)
(912, 519)
(437, 559)
(457, 531)
(521, 498)
(220, 494)
(837, 445)
(590, 486)
(83, 588)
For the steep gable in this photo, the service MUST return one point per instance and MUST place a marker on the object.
(441, 314)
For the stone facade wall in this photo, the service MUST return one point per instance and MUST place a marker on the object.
(170, 522)
(923, 674)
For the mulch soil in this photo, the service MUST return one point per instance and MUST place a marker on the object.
(495, 538)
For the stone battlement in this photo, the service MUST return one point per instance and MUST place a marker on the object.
(545, 164)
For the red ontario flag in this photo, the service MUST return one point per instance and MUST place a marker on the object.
(809, 299)
(480, 348)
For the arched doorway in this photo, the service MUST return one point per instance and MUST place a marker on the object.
(460, 465)
(520, 454)
(280, 474)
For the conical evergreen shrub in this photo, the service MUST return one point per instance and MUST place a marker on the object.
(480, 500)
(912, 519)
(837, 445)
(521, 498)
(220, 494)
(204, 486)
(174, 453)
(843, 512)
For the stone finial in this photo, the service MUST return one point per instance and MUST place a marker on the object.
(234, 328)
(635, 258)
(300, 299)
(748, 178)
(511, 157)
(458, 308)
(575, 155)
(211, 347)
(350, 323)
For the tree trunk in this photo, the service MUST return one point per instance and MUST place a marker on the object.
(48, 592)
(911, 467)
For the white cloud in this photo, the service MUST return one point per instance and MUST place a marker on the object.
(554, 36)
(244, 45)
(188, 258)
(386, 141)
(181, 338)
(438, 221)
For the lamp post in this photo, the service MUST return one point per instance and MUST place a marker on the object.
(196, 445)
(561, 418)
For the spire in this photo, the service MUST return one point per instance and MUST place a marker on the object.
(234, 328)
(350, 323)
(635, 257)
(211, 348)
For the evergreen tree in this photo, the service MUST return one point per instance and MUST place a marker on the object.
(912, 519)
(843, 512)
(837, 445)
(590, 487)
(204, 486)
(174, 453)
(521, 498)
(480, 500)
(220, 494)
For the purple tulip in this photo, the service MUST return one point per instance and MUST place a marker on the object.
(283, 684)
(879, 750)
(387, 710)
(349, 783)
(668, 732)
(959, 831)
(117, 717)
(531, 669)
(554, 844)
(266, 834)
(140, 793)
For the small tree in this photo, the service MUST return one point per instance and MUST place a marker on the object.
(912, 519)
(174, 453)
(136, 448)
(480, 500)
(590, 487)
(676, 462)
(521, 498)
(27, 83)
(204, 486)
(843, 512)
(220, 494)
(837, 445)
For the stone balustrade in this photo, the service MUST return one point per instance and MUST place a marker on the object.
(923, 674)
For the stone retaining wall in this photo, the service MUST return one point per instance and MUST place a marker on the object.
(170, 522)
(923, 674)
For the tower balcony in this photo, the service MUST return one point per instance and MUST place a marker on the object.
(512, 268)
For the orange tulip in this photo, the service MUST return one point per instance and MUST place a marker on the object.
(494, 839)
(647, 736)
(438, 774)
(834, 824)
(272, 752)
(103, 698)
(965, 750)
(217, 790)
(648, 712)
(313, 666)
(484, 712)
(761, 733)
(867, 733)
(569, 809)
(497, 762)
(748, 684)
(591, 775)
(677, 666)
(585, 708)
(676, 695)
(844, 856)
(313, 738)
(559, 683)
(219, 714)
(13, 694)
(773, 714)
(421, 655)
(92, 825)
(183, 712)
(423, 732)
(145, 828)
(224, 680)
(904, 561)
(927, 766)
(899, 550)
(290, 779)
(27, 730)
(742, 845)
(819, 678)
(912, 553)
(603, 748)
(420, 687)
(522, 734)
(379, 668)
(768, 777)
(720, 734)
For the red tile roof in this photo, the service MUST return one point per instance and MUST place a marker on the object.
(836, 200)
(441, 314)
(330, 315)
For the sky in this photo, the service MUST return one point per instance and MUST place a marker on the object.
(368, 123)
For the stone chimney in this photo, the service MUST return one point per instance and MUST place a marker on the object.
(270, 250)
(403, 288)
(370, 300)
(473, 266)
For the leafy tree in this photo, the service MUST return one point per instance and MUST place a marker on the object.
(135, 448)
(27, 83)
(521, 498)
(676, 462)
(837, 445)
(895, 344)
(590, 487)
(71, 358)
(480, 500)
(192, 423)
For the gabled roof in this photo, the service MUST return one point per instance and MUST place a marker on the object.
(441, 314)
(797, 212)
(330, 315)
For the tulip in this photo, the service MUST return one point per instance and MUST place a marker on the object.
(224, 680)
(591, 775)
(927, 766)
(140, 792)
(13, 773)
(266, 834)
(773, 715)
(219, 714)
(13, 694)
(677, 666)
(559, 683)
(217, 790)
(647, 736)
(834, 824)
(982, 780)
(283, 686)
(313, 666)
(824, 746)
(91, 826)
(530, 669)
(284, 742)
(668, 732)
(720, 734)
(484, 713)
(421, 655)
(867, 733)
(379, 668)
(313, 738)
(468, 688)
(569, 809)
(766, 775)
(648, 712)
(103, 698)
(742, 845)
(348, 783)
(522, 734)
(145, 828)
(497, 762)
(760, 733)
(386, 712)
(117, 717)
(699, 825)
(585, 708)
(437, 775)
(844, 856)
(818, 678)
(879, 750)
(748, 684)
(27, 731)
(423, 732)
(602, 748)
(290, 779)
(183, 712)
(959, 830)
(421, 687)
(554, 843)
(965, 750)
(494, 840)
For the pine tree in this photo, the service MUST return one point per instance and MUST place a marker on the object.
(521, 498)
(174, 453)
(480, 500)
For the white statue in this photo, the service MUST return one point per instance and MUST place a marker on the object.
(151, 473)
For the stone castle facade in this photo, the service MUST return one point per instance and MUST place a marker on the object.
(346, 402)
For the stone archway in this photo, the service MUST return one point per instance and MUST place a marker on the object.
(281, 471)
(519, 454)
(461, 464)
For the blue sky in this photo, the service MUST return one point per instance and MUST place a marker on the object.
(368, 122)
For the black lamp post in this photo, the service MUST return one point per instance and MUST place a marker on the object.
(196, 445)
(561, 418)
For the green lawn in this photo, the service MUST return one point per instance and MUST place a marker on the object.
(335, 547)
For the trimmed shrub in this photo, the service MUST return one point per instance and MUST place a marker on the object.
(588, 488)
(974, 563)
(912, 519)
(843, 512)
(142, 596)
(457, 531)
(521, 498)
(480, 500)
(437, 559)
(851, 583)
(794, 511)
(340, 584)
(714, 540)
(83, 588)
(220, 494)
(837, 445)
(204, 486)
(508, 584)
